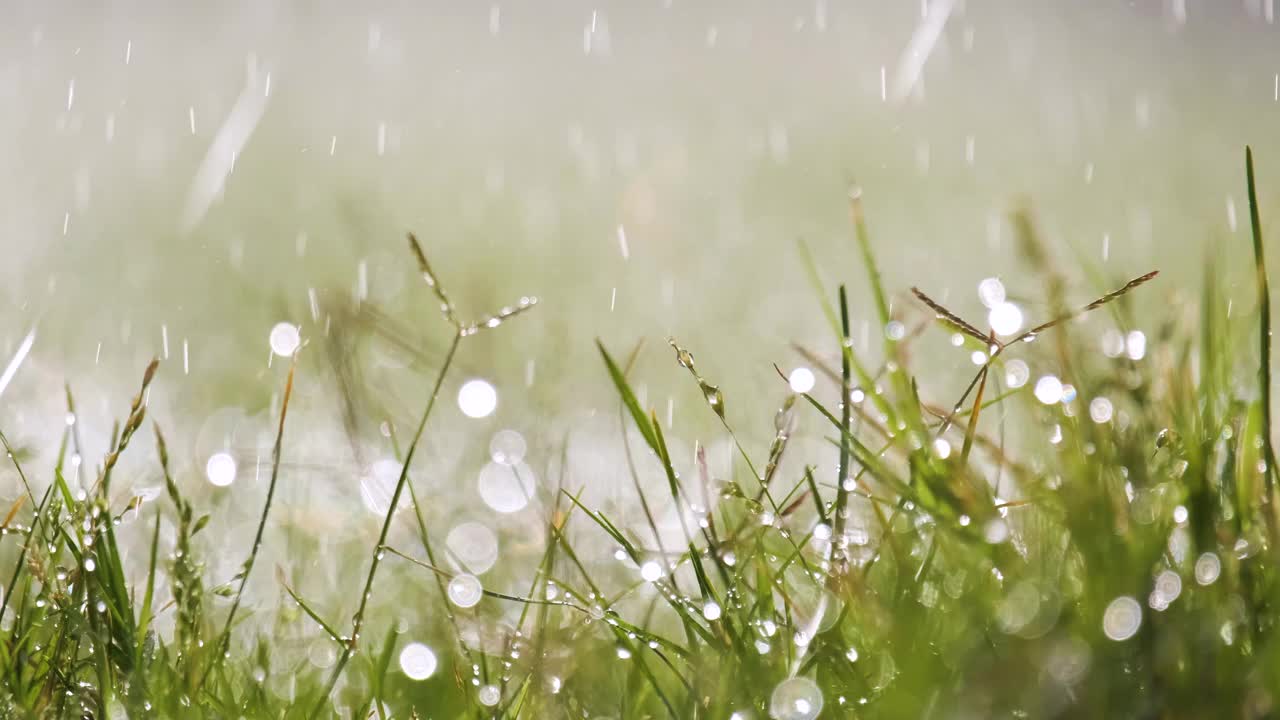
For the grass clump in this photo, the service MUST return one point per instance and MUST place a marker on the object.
(1100, 542)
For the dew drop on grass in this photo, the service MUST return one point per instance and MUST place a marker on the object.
(1208, 567)
(477, 398)
(465, 591)
(490, 695)
(1122, 618)
(711, 611)
(801, 380)
(650, 571)
(417, 661)
(1005, 318)
(221, 469)
(797, 698)
(284, 339)
(1168, 586)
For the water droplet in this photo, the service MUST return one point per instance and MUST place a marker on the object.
(797, 698)
(1049, 390)
(1208, 568)
(801, 380)
(711, 611)
(477, 398)
(507, 447)
(1122, 618)
(650, 571)
(1005, 318)
(1168, 586)
(1100, 410)
(465, 591)
(221, 469)
(284, 339)
(991, 292)
(417, 661)
(714, 398)
(490, 695)
(1135, 345)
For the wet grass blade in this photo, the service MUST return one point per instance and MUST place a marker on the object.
(843, 470)
(1264, 325)
(628, 397)
(224, 638)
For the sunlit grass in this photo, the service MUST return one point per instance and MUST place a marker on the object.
(1094, 541)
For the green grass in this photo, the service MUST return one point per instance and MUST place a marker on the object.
(1110, 555)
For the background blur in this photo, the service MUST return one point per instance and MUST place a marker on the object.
(176, 182)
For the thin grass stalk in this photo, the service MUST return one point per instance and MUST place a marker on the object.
(358, 619)
(224, 638)
(1264, 331)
